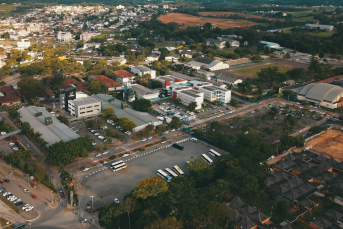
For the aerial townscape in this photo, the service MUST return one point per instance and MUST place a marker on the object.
(179, 114)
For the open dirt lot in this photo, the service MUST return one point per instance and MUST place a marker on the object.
(188, 20)
(329, 143)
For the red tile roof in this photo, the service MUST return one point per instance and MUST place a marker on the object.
(10, 94)
(123, 74)
(328, 80)
(79, 85)
(107, 81)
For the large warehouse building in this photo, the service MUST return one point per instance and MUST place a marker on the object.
(326, 95)
(49, 126)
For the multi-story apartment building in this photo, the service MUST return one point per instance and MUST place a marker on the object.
(87, 106)
(188, 95)
(213, 93)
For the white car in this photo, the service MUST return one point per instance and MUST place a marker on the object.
(143, 140)
(163, 142)
(3, 133)
(172, 130)
(98, 155)
(25, 190)
(85, 169)
(13, 198)
(93, 143)
(194, 140)
(101, 137)
(125, 155)
(97, 133)
(6, 193)
(105, 162)
(11, 144)
(104, 153)
(25, 206)
(29, 208)
(116, 200)
(149, 138)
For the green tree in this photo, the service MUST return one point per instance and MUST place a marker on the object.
(166, 223)
(151, 186)
(126, 124)
(63, 119)
(233, 102)
(109, 215)
(143, 105)
(95, 86)
(287, 55)
(197, 165)
(192, 106)
(129, 205)
(251, 184)
(321, 54)
(156, 84)
(256, 58)
(108, 112)
(175, 122)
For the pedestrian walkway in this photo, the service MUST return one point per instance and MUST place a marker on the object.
(43, 208)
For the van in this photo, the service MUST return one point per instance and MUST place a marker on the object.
(178, 146)
(194, 140)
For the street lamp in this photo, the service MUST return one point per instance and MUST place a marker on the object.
(92, 203)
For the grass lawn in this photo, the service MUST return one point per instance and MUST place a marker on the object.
(254, 70)
(304, 19)
(3, 222)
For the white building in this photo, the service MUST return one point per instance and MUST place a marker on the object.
(86, 106)
(79, 95)
(152, 58)
(172, 57)
(213, 93)
(142, 70)
(33, 27)
(142, 92)
(64, 36)
(188, 95)
(321, 27)
(85, 36)
(229, 80)
(23, 44)
(219, 43)
(208, 63)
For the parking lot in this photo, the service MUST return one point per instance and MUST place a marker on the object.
(170, 110)
(17, 184)
(107, 185)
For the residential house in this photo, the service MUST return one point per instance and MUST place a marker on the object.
(124, 76)
(152, 58)
(172, 57)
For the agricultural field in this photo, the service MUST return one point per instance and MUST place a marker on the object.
(254, 70)
(186, 20)
(5, 9)
(227, 14)
(314, 33)
(329, 143)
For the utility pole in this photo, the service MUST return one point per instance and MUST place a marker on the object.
(92, 203)
(52, 198)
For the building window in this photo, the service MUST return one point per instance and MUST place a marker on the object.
(96, 105)
(82, 112)
(82, 108)
(90, 111)
(89, 107)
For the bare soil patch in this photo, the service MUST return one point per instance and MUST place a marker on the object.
(329, 143)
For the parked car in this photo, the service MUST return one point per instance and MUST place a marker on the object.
(116, 200)
(85, 169)
(125, 155)
(98, 155)
(34, 196)
(7, 180)
(25, 190)
(143, 140)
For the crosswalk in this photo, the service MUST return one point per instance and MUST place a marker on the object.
(43, 208)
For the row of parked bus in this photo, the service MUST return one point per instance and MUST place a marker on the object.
(169, 174)
(118, 165)
(211, 152)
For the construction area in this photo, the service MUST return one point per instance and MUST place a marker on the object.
(330, 143)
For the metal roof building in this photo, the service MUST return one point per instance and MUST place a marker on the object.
(141, 119)
(327, 95)
(49, 126)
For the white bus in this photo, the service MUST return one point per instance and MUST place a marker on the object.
(207, 159)
(118, 167)
(214, 153)
(171, 172)
(117, 163)
(178, 171)
(164, 175)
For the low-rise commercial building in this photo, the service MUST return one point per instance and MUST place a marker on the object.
(141, 119)
(142, 70)
(321, 27)
(142, 92)
(84, 107)
(213, 93)
(188, 95)
(85, 36)
(208, 63)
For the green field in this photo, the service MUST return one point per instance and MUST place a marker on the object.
(314, 33)
(254, 70)
(5, 9)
